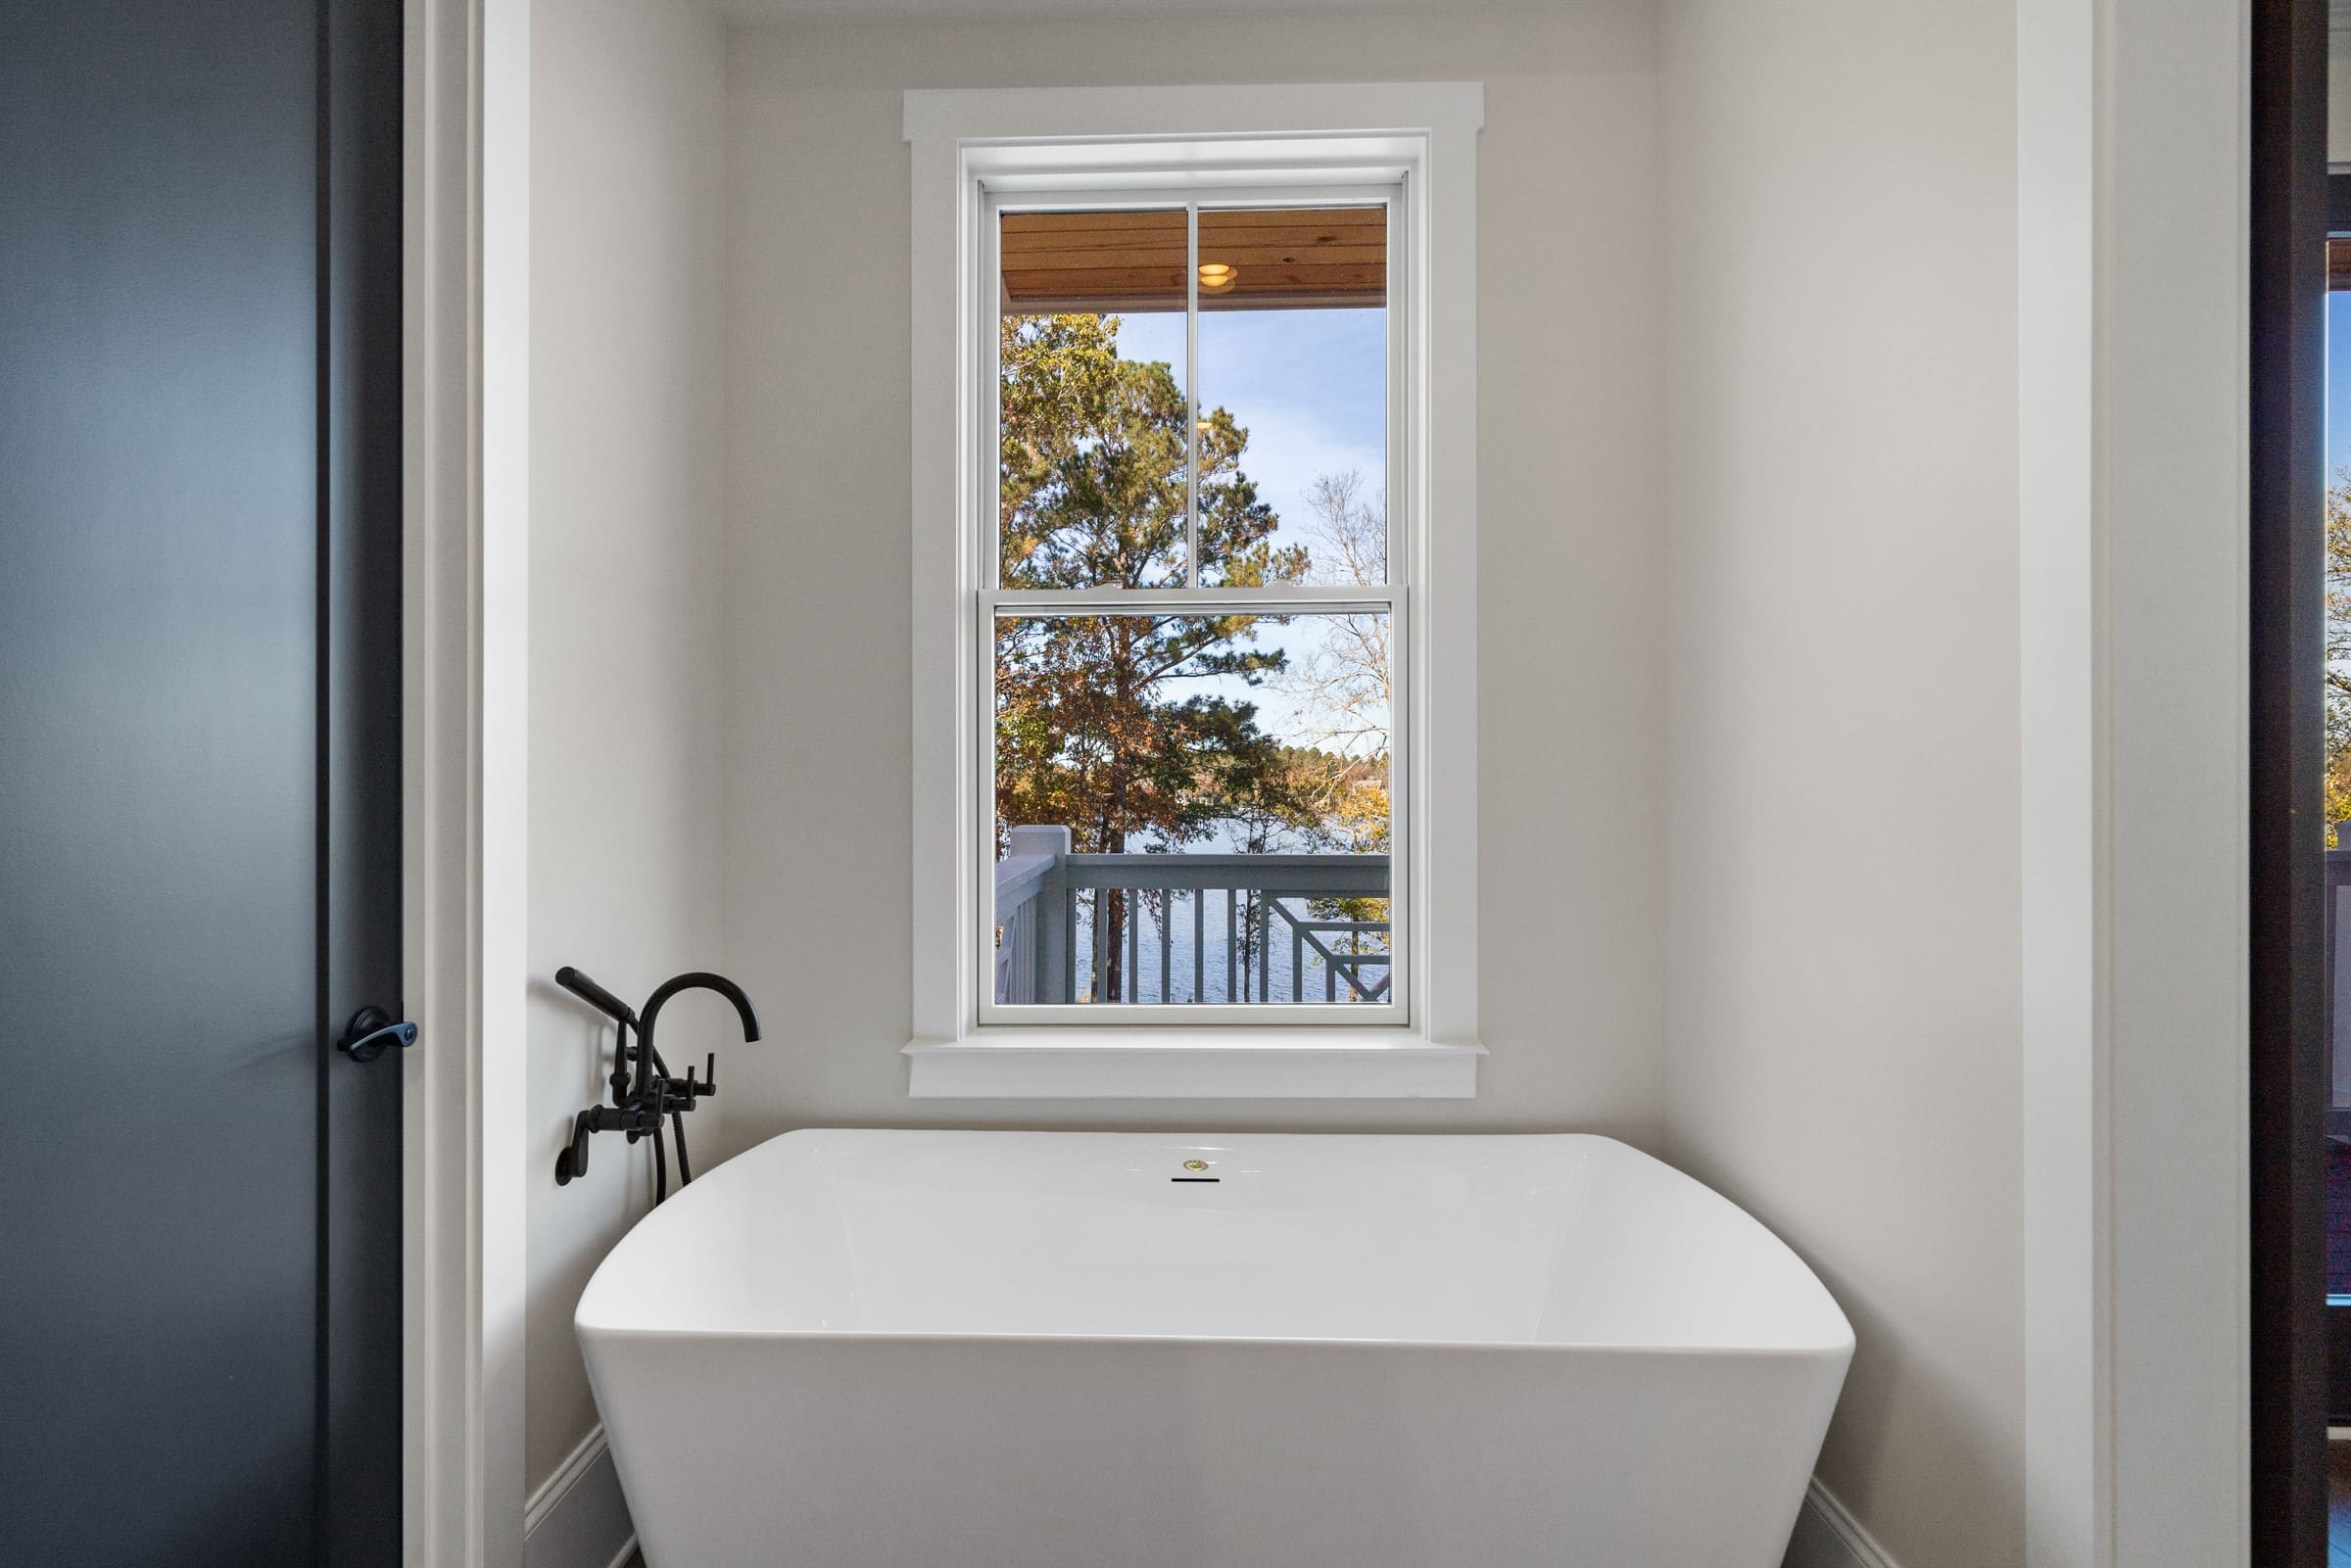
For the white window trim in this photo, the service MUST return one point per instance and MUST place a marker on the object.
(967, 143)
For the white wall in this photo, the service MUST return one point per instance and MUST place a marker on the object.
(624, 593)
(1751, 682)
(2169, 841)
(817, 550)
(1752, 767)
(1843, 909)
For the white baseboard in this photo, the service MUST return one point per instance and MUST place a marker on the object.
(578, 1518)
(1828, 1537)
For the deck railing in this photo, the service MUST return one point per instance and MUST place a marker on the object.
(1185, 928)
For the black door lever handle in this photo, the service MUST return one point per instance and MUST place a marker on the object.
(372, 1032)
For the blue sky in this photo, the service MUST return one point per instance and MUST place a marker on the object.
(1311, 389)
(1309, 386)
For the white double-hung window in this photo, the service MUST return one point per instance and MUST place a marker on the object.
(1194, 564)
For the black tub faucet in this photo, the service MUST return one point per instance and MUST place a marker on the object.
(643, 1099)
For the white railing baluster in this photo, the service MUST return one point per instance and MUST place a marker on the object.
(1265, 947)
(1232, 943)
(1098, 985)
(1199, 945)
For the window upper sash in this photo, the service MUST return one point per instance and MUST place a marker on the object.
(1088, 255)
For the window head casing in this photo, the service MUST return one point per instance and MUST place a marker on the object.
(1195, 750)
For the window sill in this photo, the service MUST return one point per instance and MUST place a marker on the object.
(1172, 1065)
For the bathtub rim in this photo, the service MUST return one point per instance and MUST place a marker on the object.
(1839, 1345)
(1101, 1341)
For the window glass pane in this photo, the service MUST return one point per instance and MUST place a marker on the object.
(1093, 475)
(1293, 394)
(1192, 809)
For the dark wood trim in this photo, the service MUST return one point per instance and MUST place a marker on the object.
(2338, 204)
(2289, 219)
(359, 1180)
(2338, 233)
(2339, 1357)
(2338, 1118)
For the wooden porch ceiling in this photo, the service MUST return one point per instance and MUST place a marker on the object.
(1289, 258)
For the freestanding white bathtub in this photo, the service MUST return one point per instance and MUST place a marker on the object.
(976, 1349)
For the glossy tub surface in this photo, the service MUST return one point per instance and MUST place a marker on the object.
(1014, 1349)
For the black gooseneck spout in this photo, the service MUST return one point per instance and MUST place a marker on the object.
(649, 1059)
(692, 980)
(642, 1100)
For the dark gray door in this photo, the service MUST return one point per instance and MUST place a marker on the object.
(200, 1221)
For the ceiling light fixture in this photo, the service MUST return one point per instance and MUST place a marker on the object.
(1218, 277)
